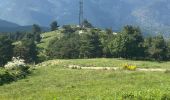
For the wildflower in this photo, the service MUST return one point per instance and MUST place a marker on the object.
(129, 67)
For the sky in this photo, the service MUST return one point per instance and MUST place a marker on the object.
(101, 13)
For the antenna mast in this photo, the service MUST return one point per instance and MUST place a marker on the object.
(81, 14)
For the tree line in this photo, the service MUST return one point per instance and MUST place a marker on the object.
(129, 43)
(86, 42)
(22, 44)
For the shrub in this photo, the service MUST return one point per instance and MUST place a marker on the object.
(15, 64)
(17, 68)
(129, 67)
(5, 77)
(14, 70)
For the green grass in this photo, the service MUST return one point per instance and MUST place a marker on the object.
(59, 83)
(47, 37)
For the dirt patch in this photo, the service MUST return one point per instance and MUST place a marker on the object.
(117, 68)
(152, 70)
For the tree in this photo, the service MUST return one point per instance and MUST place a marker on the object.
(65, 47)
(134, 46)
(87, 24)
(5, 50)
(36, 30)
(37, 37)
(29, 36)
(68, 29)
(109, 31)
(54, 26)
(105, 38)
(17, 35)
(117, 46)
(26, 49)
(168, 49)
(91, 46)
(128, 43)
(156, 48)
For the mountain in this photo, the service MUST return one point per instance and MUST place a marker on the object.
(4, 23)
(151, 15)
(6, 26)
(27, 28)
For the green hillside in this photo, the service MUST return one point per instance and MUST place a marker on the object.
(88, 78)
(48, 36)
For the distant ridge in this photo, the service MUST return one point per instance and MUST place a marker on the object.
(6, 26)
(21, 29)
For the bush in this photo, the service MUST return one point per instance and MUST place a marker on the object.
(16, 64)
(129, 67)
(14, 70)
(17, 68)
(5, 77)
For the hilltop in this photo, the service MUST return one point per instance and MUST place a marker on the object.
(48, 36)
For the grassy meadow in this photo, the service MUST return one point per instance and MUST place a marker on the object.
(53, 81)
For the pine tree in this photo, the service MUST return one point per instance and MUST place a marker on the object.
(91, 46)
(36, 30)
(54, 26)
(5, 50)
(26, 49)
